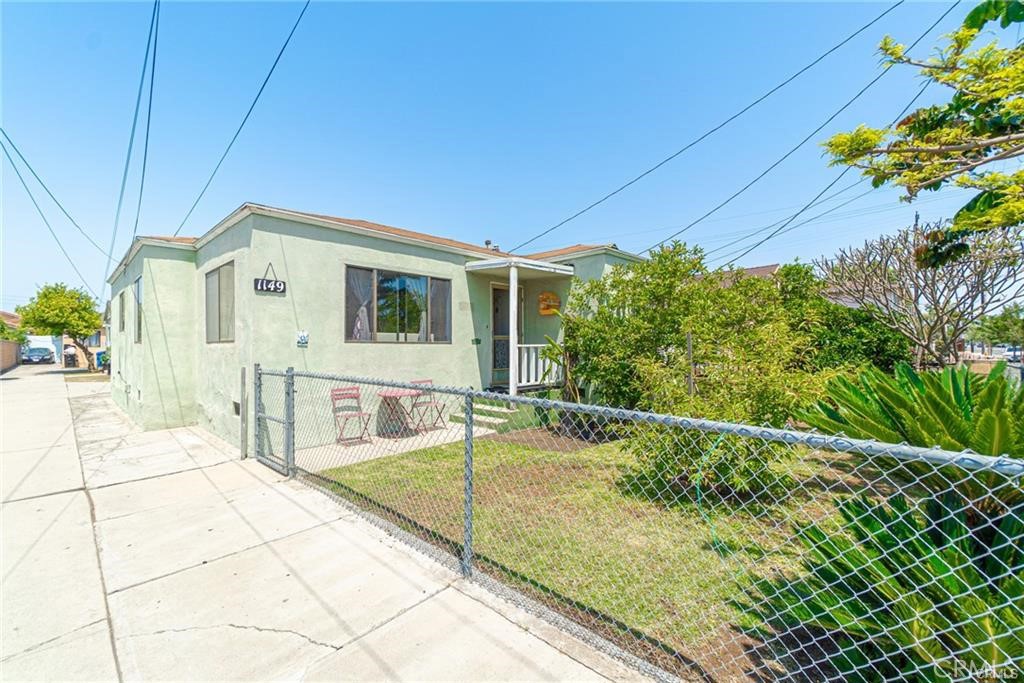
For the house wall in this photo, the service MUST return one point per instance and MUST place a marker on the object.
(312, 260)
(154, 380)
(126, 358)
(219, 364)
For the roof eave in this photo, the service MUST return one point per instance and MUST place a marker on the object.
(519, 261)
(338, 224)
(604, 249)
(136, 246)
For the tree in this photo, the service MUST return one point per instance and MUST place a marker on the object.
(669, 335)
(15, 334)
(957, 142)
(61, 310)
(932, 307)
(1004, 327)
(840, 336)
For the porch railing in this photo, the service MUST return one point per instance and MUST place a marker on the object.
(534, 369)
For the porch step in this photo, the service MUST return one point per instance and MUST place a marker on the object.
(485, 420)
(491, 408)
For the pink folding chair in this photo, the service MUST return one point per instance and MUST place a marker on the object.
(347, 407)
(426, 411)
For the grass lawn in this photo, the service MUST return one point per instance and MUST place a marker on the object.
(561, 525)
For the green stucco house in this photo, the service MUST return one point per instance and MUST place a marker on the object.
(319, 293)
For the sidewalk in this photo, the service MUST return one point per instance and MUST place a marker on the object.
(161, 555)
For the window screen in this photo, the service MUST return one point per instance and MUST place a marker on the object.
(220, 304)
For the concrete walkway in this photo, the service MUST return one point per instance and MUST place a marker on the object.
(162, 556)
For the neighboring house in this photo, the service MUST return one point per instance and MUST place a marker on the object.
(286, 288)
(12, 320)
(95, 343)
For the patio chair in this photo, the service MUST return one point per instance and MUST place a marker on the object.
(426, 411)
(347, 407)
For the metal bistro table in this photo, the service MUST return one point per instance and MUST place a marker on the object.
(392, 417)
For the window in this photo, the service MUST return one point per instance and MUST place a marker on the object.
(220, 304)
(138, 310)
(120, 311)
(388, 306)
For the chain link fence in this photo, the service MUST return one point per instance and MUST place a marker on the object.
(689, 548)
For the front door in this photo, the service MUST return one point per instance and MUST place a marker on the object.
(500, 347)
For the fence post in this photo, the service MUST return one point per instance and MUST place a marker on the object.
(289, 421)
(467, 510)
(257, 408)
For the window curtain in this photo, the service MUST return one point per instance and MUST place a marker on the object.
(415, 308)
(359, 295)
(440, 310)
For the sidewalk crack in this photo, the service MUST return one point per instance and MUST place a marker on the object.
(245, 627)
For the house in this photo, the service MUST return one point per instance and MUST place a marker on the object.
(287, 288)
(95, 342)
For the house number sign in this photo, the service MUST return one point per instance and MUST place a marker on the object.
(262, 284)
(269, 284)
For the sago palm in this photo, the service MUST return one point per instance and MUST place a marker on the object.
(954, 409)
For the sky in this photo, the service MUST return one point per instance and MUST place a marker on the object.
(471, 121)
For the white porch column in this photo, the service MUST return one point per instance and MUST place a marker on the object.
(513, 329)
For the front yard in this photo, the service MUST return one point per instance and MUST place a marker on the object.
(561, 524)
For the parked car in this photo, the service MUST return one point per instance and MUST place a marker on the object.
(1012, 354)
(37, 355)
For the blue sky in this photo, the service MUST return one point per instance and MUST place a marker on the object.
(473, 121)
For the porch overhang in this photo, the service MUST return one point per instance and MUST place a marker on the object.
(527, 269)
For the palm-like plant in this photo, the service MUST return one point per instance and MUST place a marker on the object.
(907, 594)
(955, 409)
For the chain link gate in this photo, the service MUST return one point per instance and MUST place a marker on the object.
(274, 440)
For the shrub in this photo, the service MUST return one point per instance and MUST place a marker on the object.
(907, 594)
(954, 409)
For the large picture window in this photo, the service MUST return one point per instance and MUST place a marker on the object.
(220, 304)
(138, 310)
(388, 306)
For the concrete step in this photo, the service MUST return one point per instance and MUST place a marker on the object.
(484, 420)
(491, 409)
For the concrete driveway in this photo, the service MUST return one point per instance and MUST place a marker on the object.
(162, 556)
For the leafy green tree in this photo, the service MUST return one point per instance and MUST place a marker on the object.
(1005, 327)
(58, 310)
(840, 336)
(15, 334)
(960, 142)
(670, 335)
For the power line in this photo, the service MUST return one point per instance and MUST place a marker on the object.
(131, 143)
(833, 217)
(897, 119)
(712, 130)
(149, 120)
(47, 190)
(245, 118)
(790, 218)
(733, 218)
(806, 139)
(43, 216)
(777, 223)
